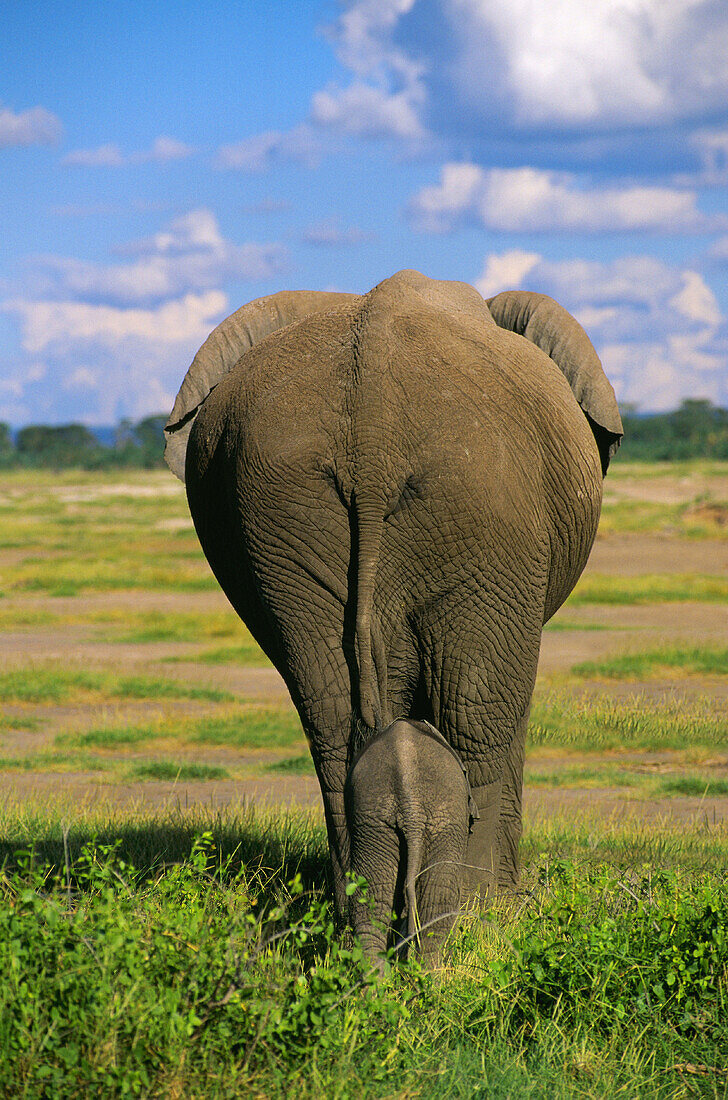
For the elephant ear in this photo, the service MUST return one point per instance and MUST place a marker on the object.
(223, 348)
(545, 323)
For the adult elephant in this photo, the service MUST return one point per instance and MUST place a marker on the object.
(396, 491)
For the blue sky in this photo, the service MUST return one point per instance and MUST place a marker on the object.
(162, 164)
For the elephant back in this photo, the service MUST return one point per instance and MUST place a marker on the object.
(224, 347)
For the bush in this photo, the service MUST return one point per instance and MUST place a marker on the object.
(204, 979)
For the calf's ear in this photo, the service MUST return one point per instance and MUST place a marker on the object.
(224, 347)
(548, 325)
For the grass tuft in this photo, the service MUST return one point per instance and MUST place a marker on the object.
(167, 770)
(598, 724)
(666, 660)
(293, 765)
(53, 684)
(252, 727)
(249, 655)
(694, 785)
(603, 588)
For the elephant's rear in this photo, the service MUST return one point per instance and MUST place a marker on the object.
(395, 493)
(384, 492)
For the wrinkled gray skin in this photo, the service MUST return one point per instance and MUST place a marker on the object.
(396, 492)
(406, 800)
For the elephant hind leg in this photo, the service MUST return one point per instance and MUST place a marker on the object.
(511, 807)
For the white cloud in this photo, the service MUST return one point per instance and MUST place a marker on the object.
(196, 229)
(658, 328)
(333, 234)
(362, 36)
(36, 126)
(189, 255)
(506, 271)
(558, 83)
(606, 63)
(600, 64)
(363, 110)
(263, 151)
(103, 156)
(719, 250)
(81, 379)
(132, 360)
(531, 79)
(536, 200)
(62, 326)
(162, 151)
(711, 147)
(116, 338)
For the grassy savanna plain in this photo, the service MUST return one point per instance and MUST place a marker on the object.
(165, 924)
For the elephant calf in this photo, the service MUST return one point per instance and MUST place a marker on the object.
(408, 812)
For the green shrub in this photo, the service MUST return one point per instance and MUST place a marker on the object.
(203, 978)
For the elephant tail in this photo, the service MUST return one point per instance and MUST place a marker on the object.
(413, 846)
(368, 644)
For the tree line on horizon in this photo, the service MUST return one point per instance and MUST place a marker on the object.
(697, 429)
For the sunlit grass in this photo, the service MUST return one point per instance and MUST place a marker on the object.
(627, 842)
(673, 661)
(586, 777)
(293, 765)
(174, 626)
(249, 726)
(561, 624)
(248, 655)
(169, 771)
(645, 588)
(18, 617)
(644, 781)
(174, 908)
(54, 762)
(587, 724)
(695, 785)
(55, 684)
(697, 520)
(254, 728)
(19, 722)
(112, 737)
(70, 577)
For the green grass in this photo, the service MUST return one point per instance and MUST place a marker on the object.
(675, 661)
(249, 655)
(560, 624)
(253, 728)
(53, 762)
(177, 955)
(293, 765)
(587, 778)
(601, 776)
(111, 737)
(19, 722)
(53, 684)
(175, 626)
(645, 588)
(694, 785)
(695, 520)
(74, 576)
(560, 720)
(14, 618)
(168, 770)
(243, 727)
